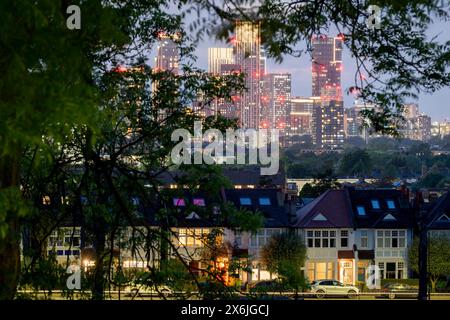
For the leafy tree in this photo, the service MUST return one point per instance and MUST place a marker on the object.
(353, 142)
(438, 258)
(421, 151)
(321, 183)
(285, 255)
(431, 180)
(104, 138)
(49, 80)
(355, 162)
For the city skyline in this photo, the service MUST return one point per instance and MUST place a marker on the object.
(435, 105)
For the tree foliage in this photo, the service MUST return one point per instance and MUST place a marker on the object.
(438, 258)
(285, 255)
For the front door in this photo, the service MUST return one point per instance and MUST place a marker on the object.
(390, 270)
(346, 272)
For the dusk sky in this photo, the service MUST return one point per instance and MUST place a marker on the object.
(436, 105)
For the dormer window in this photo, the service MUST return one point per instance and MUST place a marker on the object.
(361, 210)
(179, 202)
(264, 201)
(375, 204)
(390, 204)
(245, 201)
(444, 218)
(199, 202)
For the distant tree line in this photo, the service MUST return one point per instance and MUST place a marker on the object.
(384, 159)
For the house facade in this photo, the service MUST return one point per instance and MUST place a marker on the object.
(348, 230)
(438, 219)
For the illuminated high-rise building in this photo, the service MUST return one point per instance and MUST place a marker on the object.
(326, 64)
(328, 123)
(300, 116)
(417, 125)
(354, 122)
(167, 57)
(328, 117)
(247, 50)
(217, 57)
(440, 129)
(276, 101)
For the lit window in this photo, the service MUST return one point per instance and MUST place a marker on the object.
(264, 201)
(390, 204)
(361, 210)
(46, 200)
(375, 204)
(182, 236)
(179, 202)
(200, 202)
(245, 201)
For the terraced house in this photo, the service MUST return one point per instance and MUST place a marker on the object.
(347, 230)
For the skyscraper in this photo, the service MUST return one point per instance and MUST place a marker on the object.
(167, 57)
(276, 101)
(229, 109)
(247, 49)
(300, 116)
(417, 126)
(355, 124)
(217, 57)
(328, 117)
(328, 124)
(326, 64)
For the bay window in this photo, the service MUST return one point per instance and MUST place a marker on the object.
(391, 238)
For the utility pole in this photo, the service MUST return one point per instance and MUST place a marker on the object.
(423, 256)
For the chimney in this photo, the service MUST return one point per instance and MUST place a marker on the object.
(404, 191)
(418, 199)
(280, 197)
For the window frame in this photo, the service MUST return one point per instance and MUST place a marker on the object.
(391, 207)
(266, 201)
(361, 210)
(372, 201)
(315, 238)
(245, 203)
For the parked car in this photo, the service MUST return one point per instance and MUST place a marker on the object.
(271, 290)
(162, 290)
(399, 290)
(330, 287)
(269, 286)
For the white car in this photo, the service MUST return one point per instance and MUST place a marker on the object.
(326, 287)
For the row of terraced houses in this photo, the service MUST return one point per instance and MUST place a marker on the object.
(344, 230)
